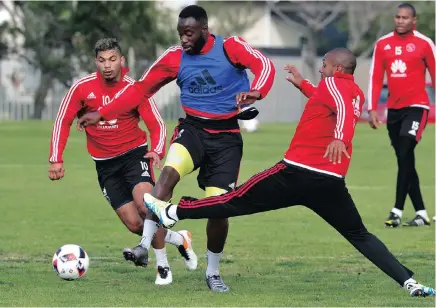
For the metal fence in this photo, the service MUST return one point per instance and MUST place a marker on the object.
(283, 104)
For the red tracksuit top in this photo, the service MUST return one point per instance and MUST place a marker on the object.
(404, 59)
(166, 67)
(110, 138)
(330, 113)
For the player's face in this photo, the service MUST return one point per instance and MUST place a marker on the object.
(110, 63)
(192, 35)
(404, 20)
(327, 69)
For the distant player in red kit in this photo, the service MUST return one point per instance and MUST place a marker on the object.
(215, 92)
(311, 173)
(404, 55)
(119, 148)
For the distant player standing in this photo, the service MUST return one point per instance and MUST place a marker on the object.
(404, 54)
(211, 73)
(312, 172)
(119, 149)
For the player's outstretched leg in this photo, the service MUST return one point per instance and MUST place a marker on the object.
(341, 213)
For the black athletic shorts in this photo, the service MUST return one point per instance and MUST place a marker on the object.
(406, 122)
(217, 155)
(119, 175)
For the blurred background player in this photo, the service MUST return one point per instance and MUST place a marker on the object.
(404, 54)
(119, 148)
(312, 171)
(210, 71)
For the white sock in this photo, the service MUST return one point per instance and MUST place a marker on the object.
(172, 212)
(422, 213)
(397, 212)
(174, 238)
(410, 280)
(161, 257)
(213, 263)
(150, 228)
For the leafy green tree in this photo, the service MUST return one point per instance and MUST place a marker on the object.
(59, 37)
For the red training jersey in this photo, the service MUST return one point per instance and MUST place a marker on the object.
(405, 59)
(109, 138)
(330, 113)
(166, 67)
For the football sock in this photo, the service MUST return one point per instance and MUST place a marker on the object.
(397, 212)
(150, 228)
(174, 238)
(172, 212)
(422, 213)
(410, 280)
(161, 257)
(213, 262)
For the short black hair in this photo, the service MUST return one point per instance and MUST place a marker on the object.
(196, 12)
(107, 44)
(406, 5)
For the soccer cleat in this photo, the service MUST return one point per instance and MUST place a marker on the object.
(160, 209)
(164, 276)
(416, 289)
(393, 220)
(138, 255)
(417, 222)
(187, 252)
(434, 218)
(216, 284)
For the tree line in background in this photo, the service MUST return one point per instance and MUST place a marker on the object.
(57, 38)
(324, 24)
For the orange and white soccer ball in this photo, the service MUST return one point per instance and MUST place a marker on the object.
(70, 262)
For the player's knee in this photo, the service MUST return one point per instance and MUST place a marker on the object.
(356, 234)
(136, 227)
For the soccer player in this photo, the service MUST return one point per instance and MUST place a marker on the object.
(311, 173)
(404, 54)
(211, 73)
(120, 150)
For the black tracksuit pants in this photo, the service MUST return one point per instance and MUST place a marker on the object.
(286, 185)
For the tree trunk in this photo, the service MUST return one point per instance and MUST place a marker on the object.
(309, 55)
(40, 95)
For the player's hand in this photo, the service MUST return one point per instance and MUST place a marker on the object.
(335, 150)
(154, 158)
(295, 78)
(56, 171)
(89, 118)
(80, 127)
(374, 119)
(246, 98)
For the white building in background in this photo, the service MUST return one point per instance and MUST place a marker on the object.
(268, 30)
(16, 76)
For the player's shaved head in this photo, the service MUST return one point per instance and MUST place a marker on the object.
(345, 58)
(338, 60)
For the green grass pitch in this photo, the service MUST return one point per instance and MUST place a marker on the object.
(288, 257)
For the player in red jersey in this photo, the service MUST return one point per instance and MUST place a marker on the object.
(211, 73)
(404, 55)
(119, 148)
(312, 172)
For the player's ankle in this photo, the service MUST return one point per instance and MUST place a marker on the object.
(172, 212)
